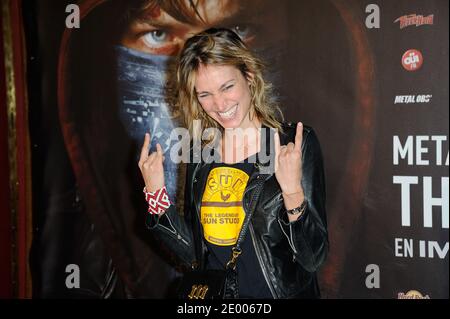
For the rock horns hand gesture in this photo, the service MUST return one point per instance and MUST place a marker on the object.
(288, 163)
(151, 166)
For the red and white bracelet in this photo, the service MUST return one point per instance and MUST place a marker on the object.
(158, 201)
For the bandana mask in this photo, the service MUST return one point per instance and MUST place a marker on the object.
(142, 105)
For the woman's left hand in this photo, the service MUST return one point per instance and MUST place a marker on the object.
(288, 163)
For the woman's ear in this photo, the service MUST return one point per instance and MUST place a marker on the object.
(249, 76)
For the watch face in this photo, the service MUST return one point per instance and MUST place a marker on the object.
(298, 210)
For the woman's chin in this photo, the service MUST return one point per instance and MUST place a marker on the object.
(229, 123)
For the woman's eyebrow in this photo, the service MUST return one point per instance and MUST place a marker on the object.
(225, 84)
(221, 87)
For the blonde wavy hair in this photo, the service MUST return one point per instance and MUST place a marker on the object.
(221, 47)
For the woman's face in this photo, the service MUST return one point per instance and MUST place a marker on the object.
(224, 95)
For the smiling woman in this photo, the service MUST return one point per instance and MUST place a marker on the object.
(220, 84)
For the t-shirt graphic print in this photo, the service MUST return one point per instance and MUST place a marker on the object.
(222, 212)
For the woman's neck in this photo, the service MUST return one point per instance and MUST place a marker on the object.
(240, 143)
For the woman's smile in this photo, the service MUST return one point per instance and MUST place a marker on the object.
(230, 114)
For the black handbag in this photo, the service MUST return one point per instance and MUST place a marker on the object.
(219, 283)
(209, 284)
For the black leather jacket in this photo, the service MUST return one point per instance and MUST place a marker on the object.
(289, 253)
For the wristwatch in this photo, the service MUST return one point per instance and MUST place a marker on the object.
(298, 210)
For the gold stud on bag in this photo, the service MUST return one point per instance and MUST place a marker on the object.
(198, 292)
(203, 284)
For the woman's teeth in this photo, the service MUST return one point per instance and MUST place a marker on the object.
(228, 114)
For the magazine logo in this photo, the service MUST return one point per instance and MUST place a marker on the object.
(408, 99)
(414, 19)
(412, 60)
(412, 294)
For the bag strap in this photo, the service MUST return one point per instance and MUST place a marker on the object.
(236, 250)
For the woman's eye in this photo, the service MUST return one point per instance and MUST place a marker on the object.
(228, 87)
(155, 38)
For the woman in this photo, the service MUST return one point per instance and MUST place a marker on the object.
(220, 86)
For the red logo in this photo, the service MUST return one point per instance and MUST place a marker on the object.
(414, 19)
(412, 60)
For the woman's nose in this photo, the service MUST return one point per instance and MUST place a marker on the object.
(219, 103)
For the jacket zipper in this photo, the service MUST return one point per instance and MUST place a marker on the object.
(197, 207)
(174, 233)
(261, 263)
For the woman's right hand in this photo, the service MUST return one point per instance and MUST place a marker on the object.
(151, 166)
